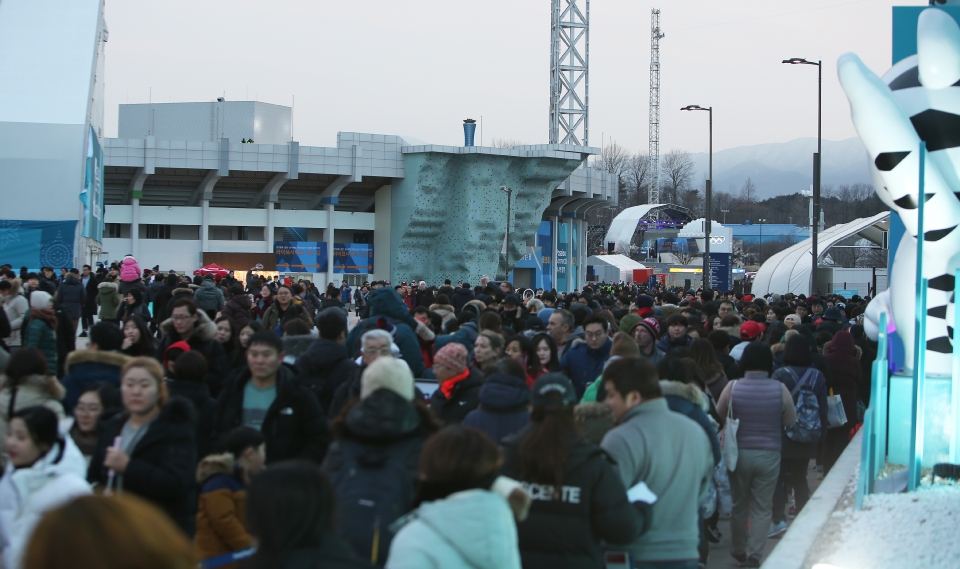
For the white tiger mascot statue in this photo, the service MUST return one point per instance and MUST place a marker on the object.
(917, 99)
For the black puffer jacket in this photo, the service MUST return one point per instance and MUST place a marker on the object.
(461, 296)
(294, 427)
(161, 468)
(203, 340)
(198, 393)
(325, 367)
(71, 295)
(593, 507)
(464, 398)
(503, 409)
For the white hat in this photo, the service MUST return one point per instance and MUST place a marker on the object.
(40, 299)
(387, 373)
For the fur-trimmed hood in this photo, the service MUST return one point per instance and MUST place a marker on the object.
(46, 384)
(585, 411)
(688, 391)
(95, 356)
(295, 346)
(204, 328)
(440, 308)
(184, 289)
(15, 287)
(215, 464)
(108, 285)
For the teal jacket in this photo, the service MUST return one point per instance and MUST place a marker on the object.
(41, 335)
(672, 454)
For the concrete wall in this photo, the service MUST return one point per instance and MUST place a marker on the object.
(207, 121)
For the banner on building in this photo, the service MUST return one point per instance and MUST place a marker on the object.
(311, 257)
(721, 275)
(92, 194)
(35, 244)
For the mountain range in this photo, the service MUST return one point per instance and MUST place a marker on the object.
(783, 167)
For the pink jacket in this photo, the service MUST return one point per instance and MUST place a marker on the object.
(129, 270)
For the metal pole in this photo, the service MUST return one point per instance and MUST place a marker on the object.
(919, 342)
(707, 280)
(506, 264)
(815, 229)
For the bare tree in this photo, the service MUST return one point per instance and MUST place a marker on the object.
(614, 159)
(748, 196)
(637, 172)
(505, 142)
(677, 167)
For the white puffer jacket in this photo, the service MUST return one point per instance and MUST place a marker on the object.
(26, 493)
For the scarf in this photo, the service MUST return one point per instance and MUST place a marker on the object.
(447, 386)
(45, 314)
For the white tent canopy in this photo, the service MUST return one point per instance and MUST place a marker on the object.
(624, 225)
(624, 264)
(789, 270)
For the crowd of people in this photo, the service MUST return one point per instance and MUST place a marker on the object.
(265, 423)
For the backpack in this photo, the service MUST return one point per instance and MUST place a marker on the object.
(806, 429)
(373, 490)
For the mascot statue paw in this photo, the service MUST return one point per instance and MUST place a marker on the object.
(918, 99)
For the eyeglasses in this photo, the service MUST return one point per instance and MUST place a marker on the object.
(597, 334)
(88, 409)
(376, 349)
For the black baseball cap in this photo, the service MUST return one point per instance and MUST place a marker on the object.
(553, 383)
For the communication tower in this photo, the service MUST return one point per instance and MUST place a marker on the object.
(569, 72)
(653, 191)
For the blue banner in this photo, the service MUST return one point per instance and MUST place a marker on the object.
(721, 275)
(311, 257)
(92, 194)
(35, 244)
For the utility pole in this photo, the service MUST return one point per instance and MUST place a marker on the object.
(569, 72)
(653, 192)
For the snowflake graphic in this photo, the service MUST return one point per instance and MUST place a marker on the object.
(9, 233)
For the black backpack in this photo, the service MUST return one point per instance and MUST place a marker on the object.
(373, 489)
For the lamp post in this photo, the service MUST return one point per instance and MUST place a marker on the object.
(708, 198)
(725, 212)
(506, 262)
(815, 223)
(761, 221)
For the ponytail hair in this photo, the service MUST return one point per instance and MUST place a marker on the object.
(545, 450)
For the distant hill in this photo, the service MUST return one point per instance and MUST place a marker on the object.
(784, 167)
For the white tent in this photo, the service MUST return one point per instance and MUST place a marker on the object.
(789, 270)
(620, 267)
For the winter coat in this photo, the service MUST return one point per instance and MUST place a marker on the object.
(503, 410)
(324, 367)
(71, 295)
(129, 270)
(161, 300)
(592, 508)
(466, 336)
(730, 366)
(333, 553)
(295, 346)
(89, 367)
(272, 318)
(237, 310)
(41, 335)
(90, 288)
(842, 359)
(466, 530)
(666, 343)
(461, 296)
(16, 307)
(260, 306)
(715, 383)
(33, 390)
(221, 511)
(445, 311)
(27, 493)
(125, 287)
(198, 393)
(687, 399)
(464, 398)
(583, 364)
(385, 303)
(181, 291)
(789, 376)
(161, 468)
(203, 340)
(108, 299)
(329, 303)
(209, 297)
(294, 426)
(138, 308)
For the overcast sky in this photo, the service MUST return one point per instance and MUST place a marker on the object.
(418, 67)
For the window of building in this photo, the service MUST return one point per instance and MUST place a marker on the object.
(158, 231)
(111, 230)
(243, 233)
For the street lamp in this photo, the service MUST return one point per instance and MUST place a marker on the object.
(725, 212)
(761, 221)
(815, 222)
(506, 263)
(708, 198)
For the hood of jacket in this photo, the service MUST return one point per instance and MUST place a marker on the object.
(385, 301)
(197, 392)
(16, 285)
(501, 392)
(442, 309)
(208, 285)
(107, 288)
(203, 328)
(475, 523)
(687, 391)
(384, 414)
(295, 346)
(242, 299)
(78, 357)
(842, 343)
(63, 458)
(215, 464)
(185, 290)
(464, 292)
(324, 354)
(46, 384)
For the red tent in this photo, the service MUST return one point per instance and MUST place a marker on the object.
(212, 269)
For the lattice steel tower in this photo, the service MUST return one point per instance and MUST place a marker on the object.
(569, 72)
(653, 191)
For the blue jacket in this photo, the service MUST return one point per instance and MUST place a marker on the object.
(385, 303)
(666, 343)
(687, 399)
(89, 367)
(503, 406)
(583, 365)
(466, 335)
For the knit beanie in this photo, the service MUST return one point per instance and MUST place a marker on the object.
(629, 323)
(387, 373)
(40, 300)
(625, 346)
(453, 355)
(652, 325)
